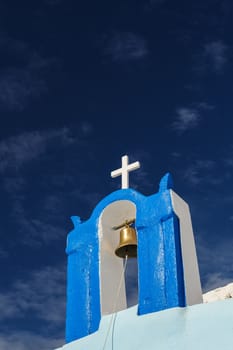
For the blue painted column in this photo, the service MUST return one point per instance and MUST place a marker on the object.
(174, 279)
(151, 272)
(83, 301)
(160, 266)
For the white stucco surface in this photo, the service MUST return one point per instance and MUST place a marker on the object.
(221, 293)
(193, 292)
(197, 327)
(112, 288)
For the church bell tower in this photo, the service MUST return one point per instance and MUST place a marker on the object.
(156, 230)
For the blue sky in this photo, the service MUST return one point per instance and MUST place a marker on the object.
(81, 84)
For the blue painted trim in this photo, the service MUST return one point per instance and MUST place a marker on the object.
(174, 277)
(166, 183)
(160, 269)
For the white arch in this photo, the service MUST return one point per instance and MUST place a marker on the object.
(111, 267)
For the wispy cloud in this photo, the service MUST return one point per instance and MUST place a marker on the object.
(186, 119)
(216, 280)
(228, 159)
(24, 74)
(215, 262)
(17, 86)
(38, 231)
(23, 341)
(204, 106)
(124, 47)
(200, 171)
(29, 150)
(212, 58)
(3, 253)
(86, 128)
(207, 171)
(41, 220)
(215, 54)
(39, 296)
(19, 150)
(42, 295)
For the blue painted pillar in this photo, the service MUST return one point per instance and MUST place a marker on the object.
(174, 278)
(151, 272)
(160, 266)
(83, 301)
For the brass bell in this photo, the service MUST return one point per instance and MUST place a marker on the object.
(128, 243)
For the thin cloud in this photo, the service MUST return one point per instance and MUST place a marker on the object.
(24, 75)
(42, 227)
(176, 155)
(19, 150)
(86, 128)
(228, 159)
(216, 54)
(18, 86)
(215, 262)
(14, 47)
(23, 341)
(200, 171)
(205, 106)
(43, 220)
(203, 172)
(125, 47)
(42, 295)
(42, 223)
(3, 253)
(186, 119)
(13, 184)
(38, 232)
(216, 280)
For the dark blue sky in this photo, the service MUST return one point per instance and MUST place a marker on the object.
(81, 84)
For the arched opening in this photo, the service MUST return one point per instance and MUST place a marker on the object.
(116, 292)
(131, 282)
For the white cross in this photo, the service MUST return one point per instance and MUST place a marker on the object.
(124, 171)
